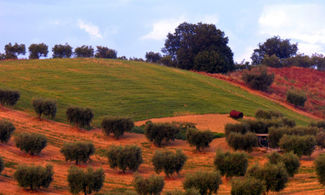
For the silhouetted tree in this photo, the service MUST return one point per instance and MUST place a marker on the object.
(153, 57)
(62, 51)
(12, 51)
(105, 52)
(37, 50)
(84, 52)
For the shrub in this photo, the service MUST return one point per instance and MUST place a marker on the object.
(31, 143)
(104, 52)
(80, 117)
(300, 145)
(199, 139)
(117, 126)
(9, 97)
(231, 164)
(269, 114)
(153, 57)
(318, 124)
(147, 186)
(12, 51)
(128, 157)
(78, 151)
(84, 51)
(240, 141)
(62, 51)
(258, 78)
(275, 134)
(320, 168)
(2, 166)
(168, 161)
(247, 186)
(258, 126)
(236, 128)
(296, 99)
(6, 129)
(37, 50)
(204, 182)
(187, 192)
(274, 176)
(34, 177)
(320, 138)
(45, 107)
(289, 160)
(85, 181)
(159, 132)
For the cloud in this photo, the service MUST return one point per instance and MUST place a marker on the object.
(91, 29)
(161, 28)
(300, 22)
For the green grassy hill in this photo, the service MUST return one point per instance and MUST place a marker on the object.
(126, 88)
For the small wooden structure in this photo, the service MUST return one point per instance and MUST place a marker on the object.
(263, 140)
(236, 114)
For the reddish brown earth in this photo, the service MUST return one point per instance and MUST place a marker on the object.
(58, 133)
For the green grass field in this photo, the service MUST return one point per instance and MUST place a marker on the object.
(126, 88)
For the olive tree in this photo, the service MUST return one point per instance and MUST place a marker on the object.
(44, 107)
(9, 97)
(117, 126)
(205, 182)
(147, 186)
(78, 151)
(300, 145)
(38, 50)
(31, 143)
(247, 185)
(199, 139)
(290, 161)
(231, 164)
(6, 129)
(160, 132)
(80, 117)
(2, 166)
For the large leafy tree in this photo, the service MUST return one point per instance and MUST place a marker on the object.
(200, 47)
(62, 51)
(12, 51)
(38, 50)
(281, 48)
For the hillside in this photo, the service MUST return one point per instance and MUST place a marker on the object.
(127, 88)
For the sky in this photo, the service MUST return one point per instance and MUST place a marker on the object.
(134, 27)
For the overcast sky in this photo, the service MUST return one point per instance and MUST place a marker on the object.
(133, 27)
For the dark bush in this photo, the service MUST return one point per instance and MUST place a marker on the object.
(199, 139)
(236, 128)
(153, 57)
(127, 157)
(147, 186)
(267, 114)
(167, 61)
(296, 98)
(78, 151)
(37, 50)
(300, 145)
(31, 143)
(117, 126)
(236, 114)
(80, 117)
(289, 160)
(231, 164)
(272, 61)
(62, 51)
(320, 138)
(320, 168)
(45, 107)
(84, 52)
(274, 176)
(105, 52)
(247, 186)
(319, 124)
(187, 192)
(204, 182)
(259, 126)
(159, 132)
(168, 161)
(2, 166)
(275, 134)
(12, 51)
(9, 97)
(240, 141)
(85, 181)
(258, 78)
(34, 177)
(6, 129)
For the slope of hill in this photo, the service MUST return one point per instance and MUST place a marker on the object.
(127, 88)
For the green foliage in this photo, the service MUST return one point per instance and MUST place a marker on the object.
(167, 61)
(289, 160)
(80, 117)
(240, 141)
(127, 157)
(187, 192)
(2, 165)
(12, 51)
(274, 176)
(62, 51)
(199, 139)
(37, 50)
(300, 145)
(104, 52)
(34, 177)
(199, 47)
(258, 78)
(320, 138)
(9, 97)
(205, 182)
(320, 168)
(159, 132)
(45, 107)
(168, 161)
(295, 98)
(267, 114)
(85, 181)
(6, 129)
(153, 57)
(231, 164)
(31, 143)
(272, 61)
(117, 126)
(247, 186)
(78, 151)
(281, 48)
(84, 51)
(319, 124)
(148, 186)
